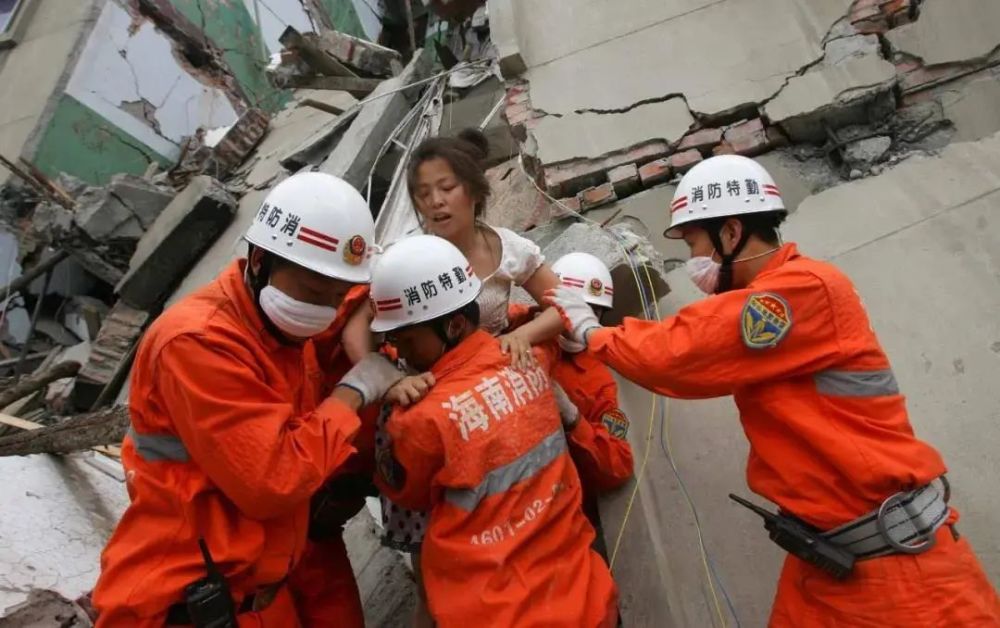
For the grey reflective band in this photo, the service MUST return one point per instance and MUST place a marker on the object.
(523, 467)
(856, 383)
(156, 447)
(908, 519)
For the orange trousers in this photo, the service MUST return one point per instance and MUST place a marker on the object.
(323, 586)
(942, 588)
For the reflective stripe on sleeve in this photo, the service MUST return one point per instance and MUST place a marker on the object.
(156, 447)
(856, 383)
(501, 479)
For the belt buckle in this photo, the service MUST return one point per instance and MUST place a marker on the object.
(916, 548)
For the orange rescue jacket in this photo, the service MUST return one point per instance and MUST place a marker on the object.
(598, 444)
(231, 435)
(829, 434)
(484, 452)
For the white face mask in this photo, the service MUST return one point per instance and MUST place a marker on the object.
(704, 272)
(295, 318)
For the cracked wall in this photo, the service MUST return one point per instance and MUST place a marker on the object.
(152, 72)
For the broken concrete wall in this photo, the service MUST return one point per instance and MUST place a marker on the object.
(32, 69)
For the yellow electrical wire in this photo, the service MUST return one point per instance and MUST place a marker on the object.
(652, 414)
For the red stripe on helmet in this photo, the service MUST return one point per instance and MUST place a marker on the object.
(323, 245)
(682, 199)
(389, 308)
(312, 233)
(388, 301)
(676, 208)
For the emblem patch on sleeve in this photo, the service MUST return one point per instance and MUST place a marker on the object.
(617, 423)
(765, 320)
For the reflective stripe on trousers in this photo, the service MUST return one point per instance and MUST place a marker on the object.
(856, 383)
(156, 447)
(525, 466)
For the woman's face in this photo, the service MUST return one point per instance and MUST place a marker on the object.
(444, 204)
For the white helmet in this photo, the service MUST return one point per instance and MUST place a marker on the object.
(726, 185)
(587, 275)
(317, 221)
(418, 279)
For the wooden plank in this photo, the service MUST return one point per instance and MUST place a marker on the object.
(19, 423)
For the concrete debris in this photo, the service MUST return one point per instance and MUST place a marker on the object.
(514, 201)
(46, 609)
(950, 31)
(355, 152)
(389, 594)
(361, 55)
(238, 141)
(83, 316)
(625, 180)
(102, 216)
(832, 96)
(596, 196)
(175, 241)
(864, 153)
(120, 331)
(471, 108)
(974, 109)
(618, 246)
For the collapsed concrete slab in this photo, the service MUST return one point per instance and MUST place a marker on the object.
(55, 519)
(388, 591)
(360, 54)
(609, 59)
(589, 135)
(122, 209)
(121, 329)
(188, 226)
(834, 94)
(974, 109)
(355, 153)
(950, 31)
(141, 197)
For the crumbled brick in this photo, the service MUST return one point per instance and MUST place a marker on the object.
(747, 138)
(682, 162)
(596, 196)
(570, 202)
(656, 171)
(701, 140)
(624, 179)
(725, 148)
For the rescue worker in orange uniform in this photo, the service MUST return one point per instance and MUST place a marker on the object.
(484, 452)
(830, 440)
(235, 419)
(585, 388)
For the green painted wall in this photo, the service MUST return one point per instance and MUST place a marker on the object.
(229, 25)
(84, 144)
(344, 17)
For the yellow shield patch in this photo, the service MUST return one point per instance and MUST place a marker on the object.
(765, 320)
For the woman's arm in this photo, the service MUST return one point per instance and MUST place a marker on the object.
(357, 337)
(543, 327)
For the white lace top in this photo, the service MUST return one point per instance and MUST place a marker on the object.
(519, 259)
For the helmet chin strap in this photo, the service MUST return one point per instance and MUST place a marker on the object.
(726, 270)
(257, 282)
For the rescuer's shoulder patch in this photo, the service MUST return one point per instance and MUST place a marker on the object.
(765, 320)
(616, 422)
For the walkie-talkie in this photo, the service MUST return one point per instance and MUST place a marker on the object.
(208, 600)
(797, 539)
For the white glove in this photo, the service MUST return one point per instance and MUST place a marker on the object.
(372, 377)
(568, 411)
(577, 315)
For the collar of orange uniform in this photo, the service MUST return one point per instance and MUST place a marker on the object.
(236, 289)
(465, 351)
(786, 253)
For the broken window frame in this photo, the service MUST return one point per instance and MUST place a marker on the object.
(13, 31)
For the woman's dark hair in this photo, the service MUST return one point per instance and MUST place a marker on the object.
(465, 154)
